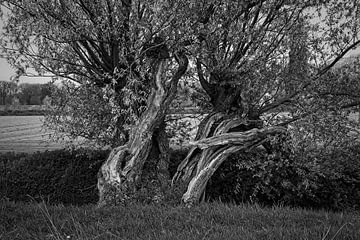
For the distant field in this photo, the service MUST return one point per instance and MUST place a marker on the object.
(24, 134)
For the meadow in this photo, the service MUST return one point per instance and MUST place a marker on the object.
(207, 221)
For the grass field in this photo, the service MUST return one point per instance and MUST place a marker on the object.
(207, 221)
(24, 134)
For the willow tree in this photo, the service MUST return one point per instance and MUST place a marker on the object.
(261, 64)
(129, 50)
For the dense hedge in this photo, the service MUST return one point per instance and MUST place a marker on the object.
(330, 181)
(22, 112)
(60, 176)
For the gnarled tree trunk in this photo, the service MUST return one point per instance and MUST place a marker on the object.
(219, 135)
(143, 161)
(232, 127)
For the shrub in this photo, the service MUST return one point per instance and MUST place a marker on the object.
(60, 176)
(330, 181)
(176, 156)
(338, 177)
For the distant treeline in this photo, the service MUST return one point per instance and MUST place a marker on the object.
(24, 94)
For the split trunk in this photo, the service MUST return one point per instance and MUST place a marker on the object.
(232, 127)
(142, 163)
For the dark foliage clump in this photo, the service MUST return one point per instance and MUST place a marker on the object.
(60, 176)
(176, 157)
(329, 181)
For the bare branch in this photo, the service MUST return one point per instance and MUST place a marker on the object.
(337, 59)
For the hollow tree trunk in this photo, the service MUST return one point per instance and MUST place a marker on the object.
(143, 161)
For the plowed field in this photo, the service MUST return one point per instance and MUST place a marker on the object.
(24, 134)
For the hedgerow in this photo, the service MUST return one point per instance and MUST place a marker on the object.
(60, 176)
(328, 181)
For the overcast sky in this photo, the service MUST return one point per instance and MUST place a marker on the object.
(6, 71)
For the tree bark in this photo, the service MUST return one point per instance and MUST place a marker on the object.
(214, 143)
(143, 161)
(234, 126)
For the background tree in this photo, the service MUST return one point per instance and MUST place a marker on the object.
(29, 94)
(7, 92)
(46, 90)
(261, 64)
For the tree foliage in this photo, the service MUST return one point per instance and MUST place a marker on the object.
(252, 47)
(98, 119)
(265, 46)
(99, 45)
(261, 64)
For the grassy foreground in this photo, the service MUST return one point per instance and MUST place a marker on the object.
(207, 221)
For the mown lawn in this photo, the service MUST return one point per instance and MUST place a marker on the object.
(207, 221)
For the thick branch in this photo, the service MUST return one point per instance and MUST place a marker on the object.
(345, 94)
(197, 185)
(275, 104)
(328, 67)
(237, 138)
(183, 62)
(189, 162)
(350, 105)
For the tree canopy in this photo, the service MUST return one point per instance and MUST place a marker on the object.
(102, 47)
(253, 46)
(261, 48)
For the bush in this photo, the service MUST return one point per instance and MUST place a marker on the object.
(330, 181)
(338, 177)
(60, 176)
(176, 157)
